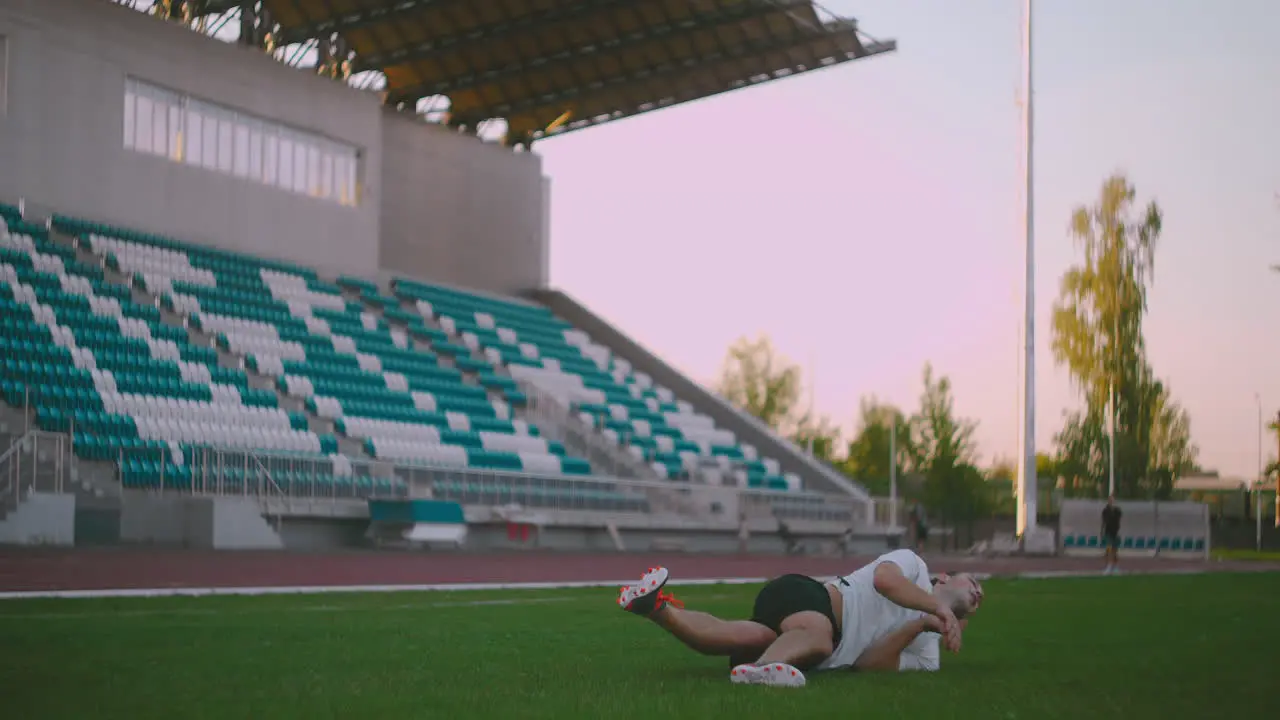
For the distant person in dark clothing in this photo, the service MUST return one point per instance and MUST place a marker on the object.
(921, 525)
(1111, 533)
(788, 538)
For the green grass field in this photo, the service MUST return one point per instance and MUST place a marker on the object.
(1251, 555)
(1119, 647)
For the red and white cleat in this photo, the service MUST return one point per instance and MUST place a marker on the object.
(775, 674)
(647, 596)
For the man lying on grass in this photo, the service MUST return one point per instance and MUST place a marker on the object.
(887, 615)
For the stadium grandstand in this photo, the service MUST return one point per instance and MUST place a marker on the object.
(274, 274)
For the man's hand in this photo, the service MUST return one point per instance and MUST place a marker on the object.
(950, 634)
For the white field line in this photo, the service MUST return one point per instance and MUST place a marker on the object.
(349, 589)
(464, 587)
(256, 609)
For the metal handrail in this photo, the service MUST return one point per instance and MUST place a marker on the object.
(595, 441)
(420, 479)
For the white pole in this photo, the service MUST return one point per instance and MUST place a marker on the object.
(813, 419)
(1027, 453)
(1257, 489)
(1111, 432)
(893, 471)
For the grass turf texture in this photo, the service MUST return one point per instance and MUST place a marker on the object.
(1117, 647)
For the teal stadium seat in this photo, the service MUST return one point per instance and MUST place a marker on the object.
(379, 376)
(91, 362)
(535, 346)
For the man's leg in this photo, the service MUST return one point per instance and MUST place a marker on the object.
(805, 641)
(700, 631)
(800, 609)
(710, 635)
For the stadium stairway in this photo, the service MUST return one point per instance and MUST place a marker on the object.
(555, 423)
(605, 458)
(545, 349)
(226, 352)
(788, 460)
(225, 358)
(408, 399)
(86, 359)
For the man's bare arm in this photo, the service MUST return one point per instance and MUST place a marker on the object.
(886, 655)
(894, 586)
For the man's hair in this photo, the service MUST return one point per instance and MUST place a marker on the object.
(959, 606)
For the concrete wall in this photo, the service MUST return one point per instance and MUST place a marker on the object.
(41, 519)
(458, 211)
(435, 205)
(238, 524)
(62, 147)
(815, 475)
(490, 537)
(162, 520)
(317, 535)
(226, 523)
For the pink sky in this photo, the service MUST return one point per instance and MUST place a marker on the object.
(866, 217)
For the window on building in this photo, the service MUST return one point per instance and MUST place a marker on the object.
(270, 157)
(209, 139)
(4, 75)
(195, 132)
(226, 141)
(253, 141)
(326, 174)
(299, 165)
(175, 133)
(130, 102)
(160, 128)
(142, 128)
(286, 162)
(195, 138)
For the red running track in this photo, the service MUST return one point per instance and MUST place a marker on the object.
(133, 568)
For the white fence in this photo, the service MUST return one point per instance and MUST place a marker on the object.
(33, 462)
(1148, 528)
(315, 479)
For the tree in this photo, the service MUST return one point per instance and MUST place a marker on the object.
(867, 455)
(818, 435)
(1171, 446)
(1083, 460)
(1273, 468)
(1047, 468)
(953, 487)
(1000, 479)
(943, 441)
(761, 383)
(1097, 335)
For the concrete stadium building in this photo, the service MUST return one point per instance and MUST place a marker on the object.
(260, 290)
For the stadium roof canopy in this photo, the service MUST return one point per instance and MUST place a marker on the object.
(553, 66)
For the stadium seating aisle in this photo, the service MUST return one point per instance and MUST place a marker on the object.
(130, 388)
(347, 363)
(538, 347)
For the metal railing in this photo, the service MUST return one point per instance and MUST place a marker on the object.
(310, 480)
(558, 422)
(37, 461)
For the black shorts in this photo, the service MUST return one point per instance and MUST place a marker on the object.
(787, 595)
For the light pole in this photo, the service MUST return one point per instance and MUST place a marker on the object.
(1026, 483)
(893, 471)
(1111, 439)
(1257, 487)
